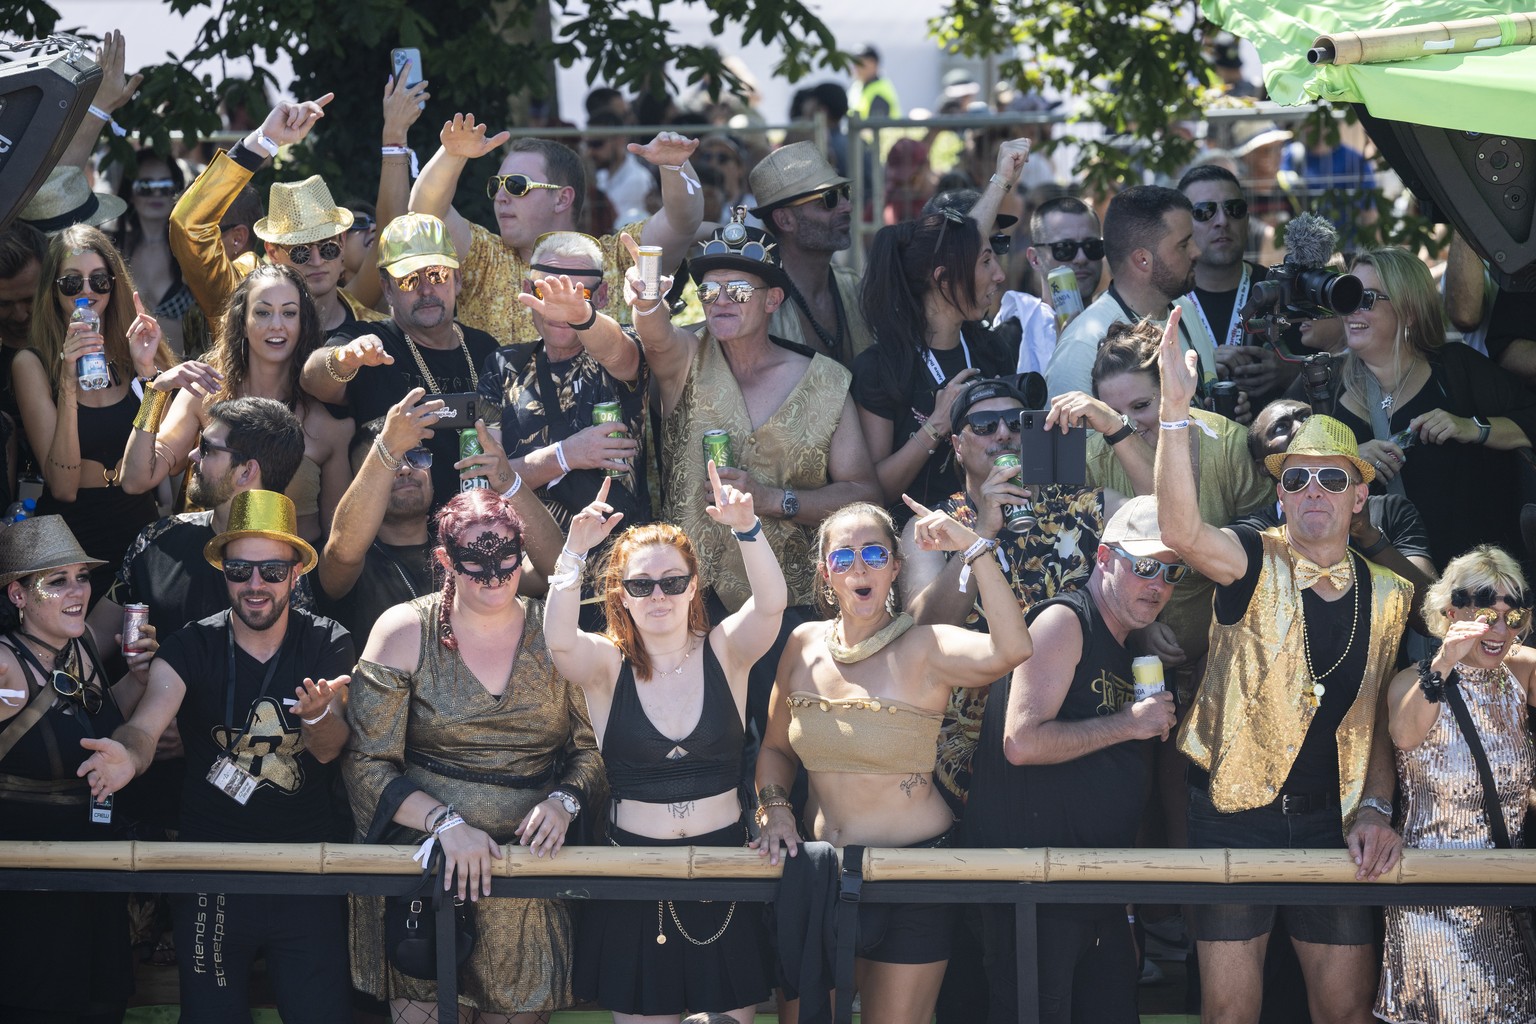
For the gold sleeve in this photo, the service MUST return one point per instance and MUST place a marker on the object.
(195, 235)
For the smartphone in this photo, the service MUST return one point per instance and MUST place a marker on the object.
(1049, 456)
(459, 411)
(398, 58)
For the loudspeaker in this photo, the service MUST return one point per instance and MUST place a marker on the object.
(1484, 185)
(43, 99)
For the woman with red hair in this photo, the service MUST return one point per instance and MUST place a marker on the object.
(667, 696)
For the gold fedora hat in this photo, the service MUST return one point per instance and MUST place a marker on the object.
(38, 545)
(65, 199)
(261, 514)
(300, 212)
(1322, 435)
(416, 240)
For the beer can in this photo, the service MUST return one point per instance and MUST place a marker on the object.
(1147, 676)
(610, 412)
(1224, 398)
(469, 444)
(1066, 300)
(648, 262)
(135, 618)
(1018, 518)
(717, 446)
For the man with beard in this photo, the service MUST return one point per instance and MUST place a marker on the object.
(804, 203)
(421, 346)
(261, 764)
(1149, 242)
(1063, 232)
(1223, 279)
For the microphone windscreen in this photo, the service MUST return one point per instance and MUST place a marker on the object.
(1310, 240)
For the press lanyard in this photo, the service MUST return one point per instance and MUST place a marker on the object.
(229, 690)
(933, 362)
(1235, 325)
(1131, 317)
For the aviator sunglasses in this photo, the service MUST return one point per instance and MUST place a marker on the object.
(1149, 568)
(670, 585)
(514, 185)
(300, 255)
(73, 283)
(1235, 209)
(740, 292)
(1065, 251)
(238, 570)
(1329, 478)
(876, 556)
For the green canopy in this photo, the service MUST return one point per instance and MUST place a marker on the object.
(1491, 91)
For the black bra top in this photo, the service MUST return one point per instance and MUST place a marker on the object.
(639, 758)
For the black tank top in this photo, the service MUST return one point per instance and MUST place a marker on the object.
(104, 432)
(636, 753)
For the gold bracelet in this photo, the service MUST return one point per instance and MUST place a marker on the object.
(151, 410)
(330, 368)
(772, 792)
(762, 812)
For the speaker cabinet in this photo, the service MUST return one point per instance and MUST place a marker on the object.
(43, 99)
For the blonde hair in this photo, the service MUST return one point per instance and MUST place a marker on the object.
(1484, 566)
(1415, 300)
(825, 603)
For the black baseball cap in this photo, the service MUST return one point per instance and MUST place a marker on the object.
(1021, 388)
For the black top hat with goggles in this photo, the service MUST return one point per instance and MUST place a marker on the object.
(734, 246)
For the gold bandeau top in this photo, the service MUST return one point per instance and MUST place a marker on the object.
(870, 735)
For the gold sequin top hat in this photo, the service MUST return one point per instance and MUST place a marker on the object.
(789, 172)
(261, 514)
(301, 211)
(1322, 435)
(37, 545)
(415, 240)
(66, 199)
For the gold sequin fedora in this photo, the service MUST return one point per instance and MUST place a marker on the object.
(302, 211)
(1322, 435)
(38, 545)
(262, 514)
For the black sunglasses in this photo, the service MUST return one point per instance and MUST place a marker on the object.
(531, 287)
(300, 254)
(361, 222)
(68, 686)
(73, 283)
(670, 585)
(435, 276)
(1001, 243)
(1370, 297)
(1329, 478)
(154, 187)
(1149, 568)
(1235, 209)
(876, 556)
(1065, 250)
(985, 424)
(515, 185)
(238, 570)
(206, 448)
(418, 458)
(829, 197)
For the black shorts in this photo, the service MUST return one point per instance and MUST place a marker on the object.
(908, 933)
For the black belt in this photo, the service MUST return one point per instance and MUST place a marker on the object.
(1304, 803)
(450, 771)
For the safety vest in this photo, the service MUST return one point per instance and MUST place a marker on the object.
(877, 88)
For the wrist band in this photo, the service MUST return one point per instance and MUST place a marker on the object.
(972, 553)
(316, 719)
(565, 467)
(151, 410)
(390, 462)
(648, 312)
(403, 151)
(117, 129)
(266, 144)
(932, 431)
(580, 558)
(517, 485)
(750, 535)
(691, 182)
(426, 819)
(1000, 182)
(565, 580)
(1173, 424)
(330, 368)
(588, 322)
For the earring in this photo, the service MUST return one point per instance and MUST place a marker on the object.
(890, 601)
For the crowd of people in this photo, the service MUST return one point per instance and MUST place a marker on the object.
(678, 531)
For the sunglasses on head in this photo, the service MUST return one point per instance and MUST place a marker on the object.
(154, 187)
(238, 570)
(985, 424)
(432, 275)
(644, 587)
(829, 197)
(71, 688)
(514, 185)
(1235, 209)
(1329, 478)
(303, 252)
(531, 287)
(1149, 568)
(1370, 297)
(740, 292)
(73, 283)
(1065, 250)
(875, 556)
(206, 448)
(418, 458)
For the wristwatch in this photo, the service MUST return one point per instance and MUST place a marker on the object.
(1378, 805)
(568, 801)
(1484, 428)
(791, 506)
(1125, 431)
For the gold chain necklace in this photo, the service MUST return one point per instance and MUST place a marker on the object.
(426, 374)
(1314, 695)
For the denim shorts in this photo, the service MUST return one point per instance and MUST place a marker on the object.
(1267, 828)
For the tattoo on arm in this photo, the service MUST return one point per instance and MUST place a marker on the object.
(681, 810)
(911, 782)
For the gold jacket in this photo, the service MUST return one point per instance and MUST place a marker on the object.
(1251, 714)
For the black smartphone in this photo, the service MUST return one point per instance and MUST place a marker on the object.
(459, 411)
(1049, 456)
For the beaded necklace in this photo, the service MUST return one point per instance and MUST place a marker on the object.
(1314, 693)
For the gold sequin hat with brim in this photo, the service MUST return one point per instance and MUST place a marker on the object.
(413, 241)
(38, 545)
(65, 199)
(265, 514)
(300, 212)
(1322, 435)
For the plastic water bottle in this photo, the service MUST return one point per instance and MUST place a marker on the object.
(16, 511)
(91, 368)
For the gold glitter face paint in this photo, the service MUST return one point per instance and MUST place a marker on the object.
(54, 585)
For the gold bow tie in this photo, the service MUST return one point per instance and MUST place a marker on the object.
(1340, 573)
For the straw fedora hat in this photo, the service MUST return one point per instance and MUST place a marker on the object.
(261, 514)
(66, 199)
(301, 211)
(789, 172)
(1322, 435)
(37, 545)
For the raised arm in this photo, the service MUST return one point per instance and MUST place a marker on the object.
(674, 226)
(541, 534)
(587, 659)
(1012, 155)
(168, 425)
(328, 369)
(668, 349)
(896, 468)
(1466, 283)
(1080, 409)
(1213, 552)
(401, 110)
(115, 90)
(462, 140)
(605, 340)
(751, 630)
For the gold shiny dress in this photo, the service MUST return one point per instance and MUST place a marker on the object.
(1453, 964)
(521, 961)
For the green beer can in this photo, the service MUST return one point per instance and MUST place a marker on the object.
(469, 444)
(717, 446)
(611, 412)
(1018, 518)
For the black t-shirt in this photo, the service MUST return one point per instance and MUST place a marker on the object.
(292, 801)
(1513, 317)
(1338, 636)
(1218, 306)
(1093, 801)
(375, 388)
(1394, 515)
(392, 574)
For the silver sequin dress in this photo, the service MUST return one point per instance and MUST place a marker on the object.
(1446, 965)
